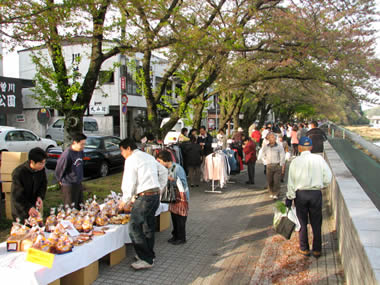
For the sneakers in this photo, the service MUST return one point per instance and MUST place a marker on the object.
(275, 197)
(316, 254)
(178, 242)
(171, 239)
(141, 264)
(270, 196)
(304, 252)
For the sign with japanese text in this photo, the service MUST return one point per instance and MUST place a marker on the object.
(40, 257)
(123, 83)
(99, 109)
(10, 95)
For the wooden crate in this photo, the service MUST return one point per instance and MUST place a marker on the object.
(116, 256)
(84, 276)
(163, 221)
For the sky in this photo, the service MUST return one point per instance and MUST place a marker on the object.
(11, 63)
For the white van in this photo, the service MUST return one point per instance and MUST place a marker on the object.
(55, 130)
(172, 136)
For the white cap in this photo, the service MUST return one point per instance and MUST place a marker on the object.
(240, 129)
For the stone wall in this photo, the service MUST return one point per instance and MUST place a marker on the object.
(357, 224)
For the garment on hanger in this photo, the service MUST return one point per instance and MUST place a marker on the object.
(216, 167)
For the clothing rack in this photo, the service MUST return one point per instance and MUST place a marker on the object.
(213, 181)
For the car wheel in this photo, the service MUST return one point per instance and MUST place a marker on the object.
(50, 146)
(48, 137)
(104, 169)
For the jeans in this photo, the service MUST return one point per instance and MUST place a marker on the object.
(309, 206)
(142, 226)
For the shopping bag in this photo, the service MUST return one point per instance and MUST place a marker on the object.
(292, 215)
(282, 224)
(169, 194)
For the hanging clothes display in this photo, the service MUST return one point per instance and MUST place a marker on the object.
(216, 167)
(232, 157)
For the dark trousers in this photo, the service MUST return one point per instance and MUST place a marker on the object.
(295, 149)
(142, 226)
(194, 175)
(273, 178)
(72, 193)
(179, 227)
(251, 171)
(309, 206)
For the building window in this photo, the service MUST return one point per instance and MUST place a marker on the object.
(106, 77)
(132, 88)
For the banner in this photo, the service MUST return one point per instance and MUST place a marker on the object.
(10, 95)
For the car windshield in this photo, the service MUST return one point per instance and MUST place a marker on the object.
(90, 126)
(93, 143)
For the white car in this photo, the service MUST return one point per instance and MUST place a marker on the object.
(55, 130)
(21, 140)
(173, 135)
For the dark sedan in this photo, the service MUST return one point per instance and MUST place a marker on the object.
(101, 154)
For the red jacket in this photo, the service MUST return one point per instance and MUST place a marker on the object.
(250, 152)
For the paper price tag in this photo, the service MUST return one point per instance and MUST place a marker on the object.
(40, 257)
(70, 229)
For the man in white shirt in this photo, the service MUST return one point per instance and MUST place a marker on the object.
(143, 178)
(308, 175)
(274, 156)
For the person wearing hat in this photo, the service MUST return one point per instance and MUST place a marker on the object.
(238, 141)
(308, 175)
(273, 155)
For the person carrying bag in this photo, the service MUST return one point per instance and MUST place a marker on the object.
(180, 208)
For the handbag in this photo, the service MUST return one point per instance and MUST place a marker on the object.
(283, 225)
(169, 194)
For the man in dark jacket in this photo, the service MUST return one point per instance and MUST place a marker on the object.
(205, 141)
(192, 157)
(69, 171)
(317, 137)
(29, 185)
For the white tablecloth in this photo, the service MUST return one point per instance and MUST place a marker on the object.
(14, 269)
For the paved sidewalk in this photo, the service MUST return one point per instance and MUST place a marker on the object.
(230, 241)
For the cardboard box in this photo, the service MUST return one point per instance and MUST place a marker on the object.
(84, 276)
(56, 282)
(163, 221)
(6, 177)
(116, 256)
(7, 186)
(9, 161)
(8, 209)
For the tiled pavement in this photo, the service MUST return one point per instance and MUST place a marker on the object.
(230, 241)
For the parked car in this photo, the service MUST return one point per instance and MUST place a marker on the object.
(101, 153)
(55, 130)
(13, 139)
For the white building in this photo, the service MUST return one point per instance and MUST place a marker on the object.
(374, 121)
(105, 106)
